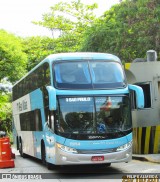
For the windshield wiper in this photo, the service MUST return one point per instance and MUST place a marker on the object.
(116, 129)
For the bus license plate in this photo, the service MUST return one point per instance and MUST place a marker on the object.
(97, 158)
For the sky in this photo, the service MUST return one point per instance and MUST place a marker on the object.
(16, 16)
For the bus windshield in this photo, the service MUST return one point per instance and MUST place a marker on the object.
(89, 116)
(88, 75)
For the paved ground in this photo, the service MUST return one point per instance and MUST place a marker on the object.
(147, 157)
(27, 166)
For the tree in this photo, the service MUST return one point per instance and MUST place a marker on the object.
(128, 30)
(37, 48)
(5, 106)
(12, 57)
(12, 66)
(71, 19)
(5, 112)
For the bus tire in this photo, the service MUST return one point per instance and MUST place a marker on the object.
(17, 143)
(43, 154)
(49, 166)
(21, 149)
(43, 157)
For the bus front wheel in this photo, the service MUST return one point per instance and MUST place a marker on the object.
(43, 154)
(43, 157)
(21, 149)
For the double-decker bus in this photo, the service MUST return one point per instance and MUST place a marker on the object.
(74, 108)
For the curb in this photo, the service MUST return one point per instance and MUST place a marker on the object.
(154, 159)
(141, 158)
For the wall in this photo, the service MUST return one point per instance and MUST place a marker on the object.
(146, 122)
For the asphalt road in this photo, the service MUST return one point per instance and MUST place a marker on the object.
(30, 168)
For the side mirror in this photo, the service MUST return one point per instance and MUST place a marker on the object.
(139, 95)
(52, 98)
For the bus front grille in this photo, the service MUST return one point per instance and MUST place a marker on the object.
(96, 151)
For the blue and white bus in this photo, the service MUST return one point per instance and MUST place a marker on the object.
(74, 108)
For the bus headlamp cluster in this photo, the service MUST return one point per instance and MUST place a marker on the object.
(125, 146)
(66, 149)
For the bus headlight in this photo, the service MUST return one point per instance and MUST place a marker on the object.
(66, 149)
(125, 146)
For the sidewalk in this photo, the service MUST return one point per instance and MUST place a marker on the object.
(147, 157)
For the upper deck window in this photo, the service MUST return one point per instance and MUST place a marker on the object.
(36, 79)
(90, 74)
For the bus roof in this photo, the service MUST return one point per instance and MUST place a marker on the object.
(82, 55)
(74, 56)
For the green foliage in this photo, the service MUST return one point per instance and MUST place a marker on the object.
(37, 48)
(128, 30)
(12, 57)
(5, 112)
(69, 17)
(71, 20)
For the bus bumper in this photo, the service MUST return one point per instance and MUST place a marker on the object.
(65, 158)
